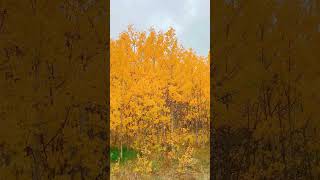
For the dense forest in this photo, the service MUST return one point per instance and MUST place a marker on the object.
(159, 104)
(265, 89)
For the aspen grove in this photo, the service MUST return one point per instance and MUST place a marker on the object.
(159, 96)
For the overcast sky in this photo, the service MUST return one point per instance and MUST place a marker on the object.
(190, 19)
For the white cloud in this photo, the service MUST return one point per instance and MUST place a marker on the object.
(190, 19)
(190, 7)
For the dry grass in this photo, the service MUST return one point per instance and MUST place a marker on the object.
(163, 169)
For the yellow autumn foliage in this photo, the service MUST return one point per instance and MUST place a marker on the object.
(157, 88)
(160, 98)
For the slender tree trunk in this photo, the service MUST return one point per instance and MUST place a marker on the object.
(121, 136)
(172, 116)
(121, 125)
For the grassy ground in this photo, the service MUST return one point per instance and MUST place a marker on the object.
(128, 154)
(162, 169)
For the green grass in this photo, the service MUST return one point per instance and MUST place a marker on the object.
(128, 154)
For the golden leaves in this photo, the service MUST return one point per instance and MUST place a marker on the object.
(155, 81)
